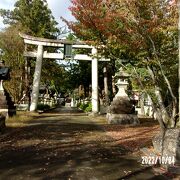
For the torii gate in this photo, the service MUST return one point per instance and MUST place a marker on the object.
(40, 54)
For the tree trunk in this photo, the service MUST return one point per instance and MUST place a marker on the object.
(179, 52)
(174, 106)
(171, 121)
(164, 114)
(142, 104)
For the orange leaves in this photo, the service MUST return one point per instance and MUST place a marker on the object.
(95, 16)
(133, 138)
(125, 22)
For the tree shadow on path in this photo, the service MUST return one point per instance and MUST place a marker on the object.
(62, 147)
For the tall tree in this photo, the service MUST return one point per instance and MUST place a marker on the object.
(34, 16)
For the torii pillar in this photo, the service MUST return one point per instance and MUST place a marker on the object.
(37, 79)
(40, 54)
(95, 98)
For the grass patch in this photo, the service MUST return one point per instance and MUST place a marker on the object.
(21, 117)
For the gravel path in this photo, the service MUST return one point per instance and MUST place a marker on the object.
(63, 145)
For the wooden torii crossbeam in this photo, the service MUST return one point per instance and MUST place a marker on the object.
(40, 54)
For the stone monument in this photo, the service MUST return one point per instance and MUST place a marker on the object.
(4, 71)
(121, 110)
(168, 145)
(6, 105)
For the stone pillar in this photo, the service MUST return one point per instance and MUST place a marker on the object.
(113, 86)
(95, 99)
(1, 85)
(27, 83)
(37, 78)
(106, 85)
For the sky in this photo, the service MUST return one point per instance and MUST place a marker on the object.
(58, 7)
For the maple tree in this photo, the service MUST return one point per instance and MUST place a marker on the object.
(143, 31)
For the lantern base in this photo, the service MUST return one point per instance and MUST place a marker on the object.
(124, 119)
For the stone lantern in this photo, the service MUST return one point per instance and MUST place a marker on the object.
(7, 107)
(121, 110)
(122, 83)
(4, 74)
(3, 101)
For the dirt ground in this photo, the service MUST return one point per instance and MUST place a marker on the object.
(134, 138)
(73, 146)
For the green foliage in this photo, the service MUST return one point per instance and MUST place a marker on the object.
(52, 74)
(77, 73)
(86, 107)
(13, 48)
(43, 107)
(83, 106)
(34, 17)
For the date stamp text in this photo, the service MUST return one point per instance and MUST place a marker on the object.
(152, 160)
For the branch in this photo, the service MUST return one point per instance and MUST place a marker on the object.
(165, 77)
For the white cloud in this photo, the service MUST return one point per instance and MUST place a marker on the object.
(60, 8)
(5, 4)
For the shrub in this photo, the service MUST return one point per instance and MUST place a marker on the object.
(83, 106)
(88, 108)
(43, 107)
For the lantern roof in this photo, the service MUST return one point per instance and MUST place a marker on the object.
(122, 74)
